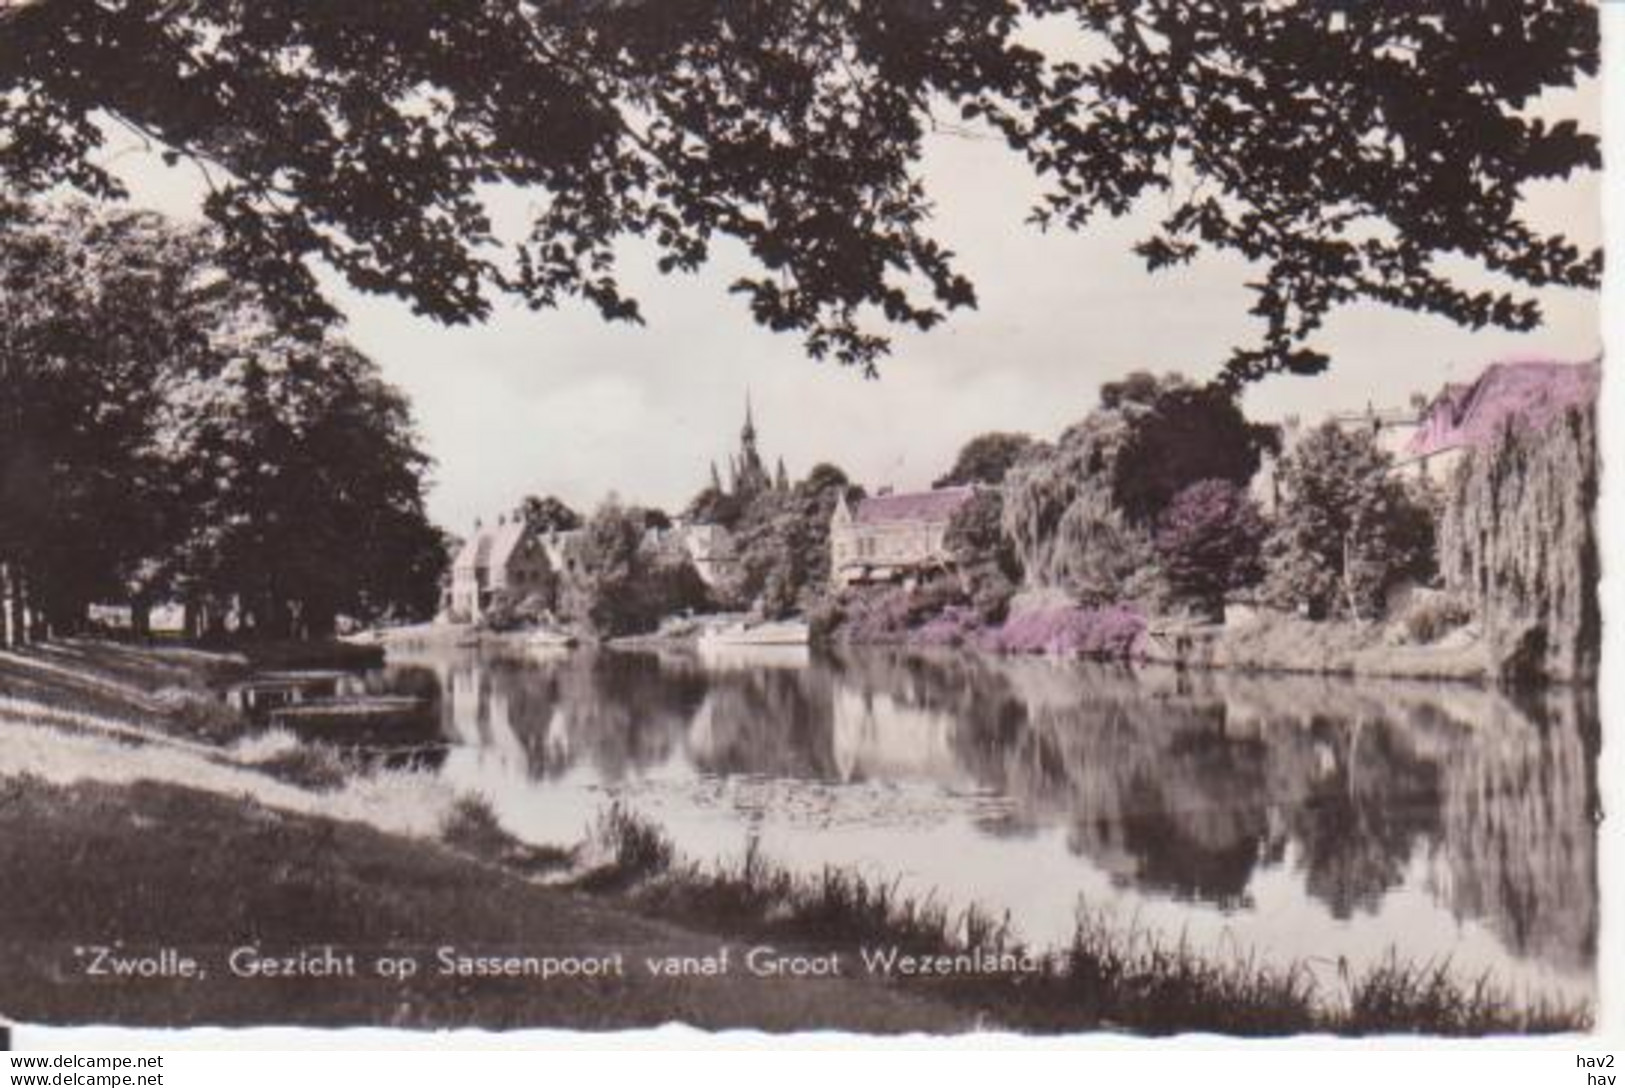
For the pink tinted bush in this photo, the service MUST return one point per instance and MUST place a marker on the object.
(956, 625)
(890, 615)
(1110, 632)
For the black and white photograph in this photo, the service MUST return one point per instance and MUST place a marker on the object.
(1042, 517)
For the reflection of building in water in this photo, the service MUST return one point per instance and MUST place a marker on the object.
(722, 656)
(1180, 786)
(480, 716)
(773, 722)
(877, 737)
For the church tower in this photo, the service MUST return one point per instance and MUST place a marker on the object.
(750, 476)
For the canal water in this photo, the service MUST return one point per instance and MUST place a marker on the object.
(1329, 821)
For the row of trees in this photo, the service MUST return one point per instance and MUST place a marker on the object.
(624, 570)
(1147, 500)
(164, 437)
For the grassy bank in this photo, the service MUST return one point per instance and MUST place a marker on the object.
(149, 866)
(1110, 976)
(1326, 648)
(167, 687)
(137, 838)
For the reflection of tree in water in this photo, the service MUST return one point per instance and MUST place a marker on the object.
(1362, 812)
(770, 721)
(618, 713)
(1179, 784)
(1151, 787)
(1185, 784)
(1520, 833)
(1195, 821)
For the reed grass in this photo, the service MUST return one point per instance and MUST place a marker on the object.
(1112, 975)
(471, 827)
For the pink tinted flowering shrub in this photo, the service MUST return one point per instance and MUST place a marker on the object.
(1110, 632)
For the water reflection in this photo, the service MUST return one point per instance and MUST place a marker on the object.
(1290, 812)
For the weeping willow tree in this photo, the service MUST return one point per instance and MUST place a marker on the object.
(1080, 515)
(1061, 520)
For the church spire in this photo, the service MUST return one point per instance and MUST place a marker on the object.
(748, 435)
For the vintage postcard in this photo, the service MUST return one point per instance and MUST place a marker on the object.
(1040, 516)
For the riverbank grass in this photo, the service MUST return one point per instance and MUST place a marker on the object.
(1110, 976)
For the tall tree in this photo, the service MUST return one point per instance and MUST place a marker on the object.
(1347, 530)
(104, 323)
(1340, 148)
(781, 544)
(985, 459)
(1081, 514)
(162, 435)
(1208, 539)
(621, 578)
(549, 515)
(308, 488)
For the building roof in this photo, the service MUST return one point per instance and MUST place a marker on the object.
(1534, 393)
(935, 505)
(505, 539)
(491, 546)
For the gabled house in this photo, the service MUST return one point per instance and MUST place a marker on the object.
(1428, 439)
(710, 548)
(507, 556)
(1467, 415)
(892, 537)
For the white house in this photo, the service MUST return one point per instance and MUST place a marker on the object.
(892, 537)
(506, 556)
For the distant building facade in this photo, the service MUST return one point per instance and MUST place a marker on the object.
(710, 548)
(704, 531)
(1468, 415)
(892, 537)
(509, 555)
(1428, 438)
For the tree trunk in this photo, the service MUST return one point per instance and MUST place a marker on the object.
(7, 638)
(320, 621)
(67, 618)
(10, 632)
(140, 619)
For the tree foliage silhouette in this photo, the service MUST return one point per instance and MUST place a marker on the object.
(1341, 148)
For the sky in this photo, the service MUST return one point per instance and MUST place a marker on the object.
(559, 402)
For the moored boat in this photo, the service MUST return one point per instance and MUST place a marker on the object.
(776, 633)
(549, 640)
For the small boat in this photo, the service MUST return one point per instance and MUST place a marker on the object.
(777, 633)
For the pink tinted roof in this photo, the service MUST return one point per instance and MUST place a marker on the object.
(1533, 393)
(935, 505)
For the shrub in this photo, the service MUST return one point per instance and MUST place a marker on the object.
(886, 615)
(1347, 531)
(1112, 633)
(312, 766)
(471, 827)
(1432, 616)
(638, 848)
(1208, 541)
(955, 625)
